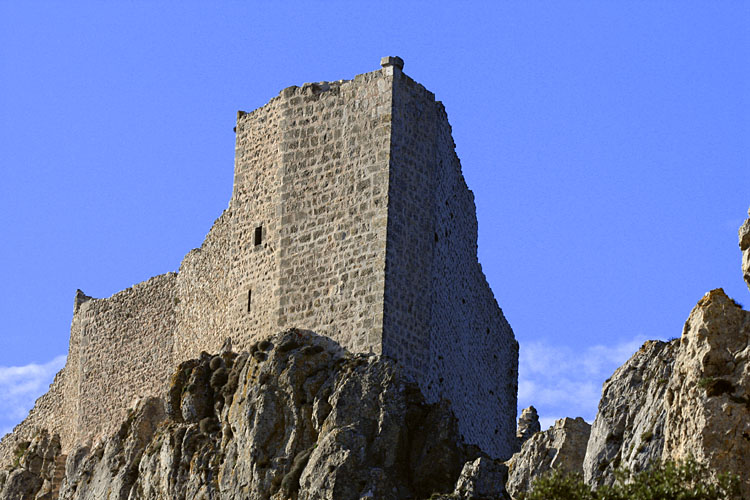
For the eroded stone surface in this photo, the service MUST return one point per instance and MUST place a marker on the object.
(708, 396)
(33, 471)
(295, 417)
(560, 447)
(687, 397)
(629, 427)
(528, 425)
(482, 478)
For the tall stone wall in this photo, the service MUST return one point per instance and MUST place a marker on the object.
(441, 319)
(333, 209)
(203, 292)
(411, 228)
(254, 275)
(311, 174)
(125, 353)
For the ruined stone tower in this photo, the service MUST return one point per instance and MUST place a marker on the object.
(349, 217)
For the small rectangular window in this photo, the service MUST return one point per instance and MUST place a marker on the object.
(249, 299)
(258, 235)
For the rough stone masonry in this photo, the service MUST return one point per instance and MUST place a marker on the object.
(349, 217)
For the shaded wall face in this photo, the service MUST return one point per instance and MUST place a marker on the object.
(333, 209)
(411, 230)
(441, 319)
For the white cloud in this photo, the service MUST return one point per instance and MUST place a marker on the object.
(558, 380)
(20, 386)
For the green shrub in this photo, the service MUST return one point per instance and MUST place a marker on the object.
(669, 480)
(559, 486)
(19, 452)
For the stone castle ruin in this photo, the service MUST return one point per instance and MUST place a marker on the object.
(350, 217)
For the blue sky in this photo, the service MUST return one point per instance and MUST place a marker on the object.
(606, 144)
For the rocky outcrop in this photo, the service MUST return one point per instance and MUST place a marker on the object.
(482, 478)
(528, 425)
(629, 427)
(744, 234)
(673, 400)
(33, 472)
(296, 417)
(561, 447)
(111, 469)
(708, 396)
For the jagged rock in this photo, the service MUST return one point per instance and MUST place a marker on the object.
(687, 397)
(110, 469)
(560, 447)
(744, 234)
(482, 478)
(629, 427)
(528, 425)
(307, 420)
(708, 396)
(21, 485)
(34, 472)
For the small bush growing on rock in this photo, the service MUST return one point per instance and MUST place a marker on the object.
(559, 486)
(19, 452)
(669, 480)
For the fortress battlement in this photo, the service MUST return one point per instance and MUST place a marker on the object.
(349, 217)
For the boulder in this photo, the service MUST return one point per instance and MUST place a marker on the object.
(561, 447)
(32, 474)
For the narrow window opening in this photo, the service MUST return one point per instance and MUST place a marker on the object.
(258, 235)
(249, 299)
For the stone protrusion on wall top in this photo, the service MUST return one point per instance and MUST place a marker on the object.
(80, 298)
(744, 234)
(392, 61)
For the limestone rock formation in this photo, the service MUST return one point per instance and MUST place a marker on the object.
(296, 417)
(708, 396)
(528, 425)
(561, 447)
(629, 427)
(687, 397)
(482, 478)
(745, 247)
(34, 472)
